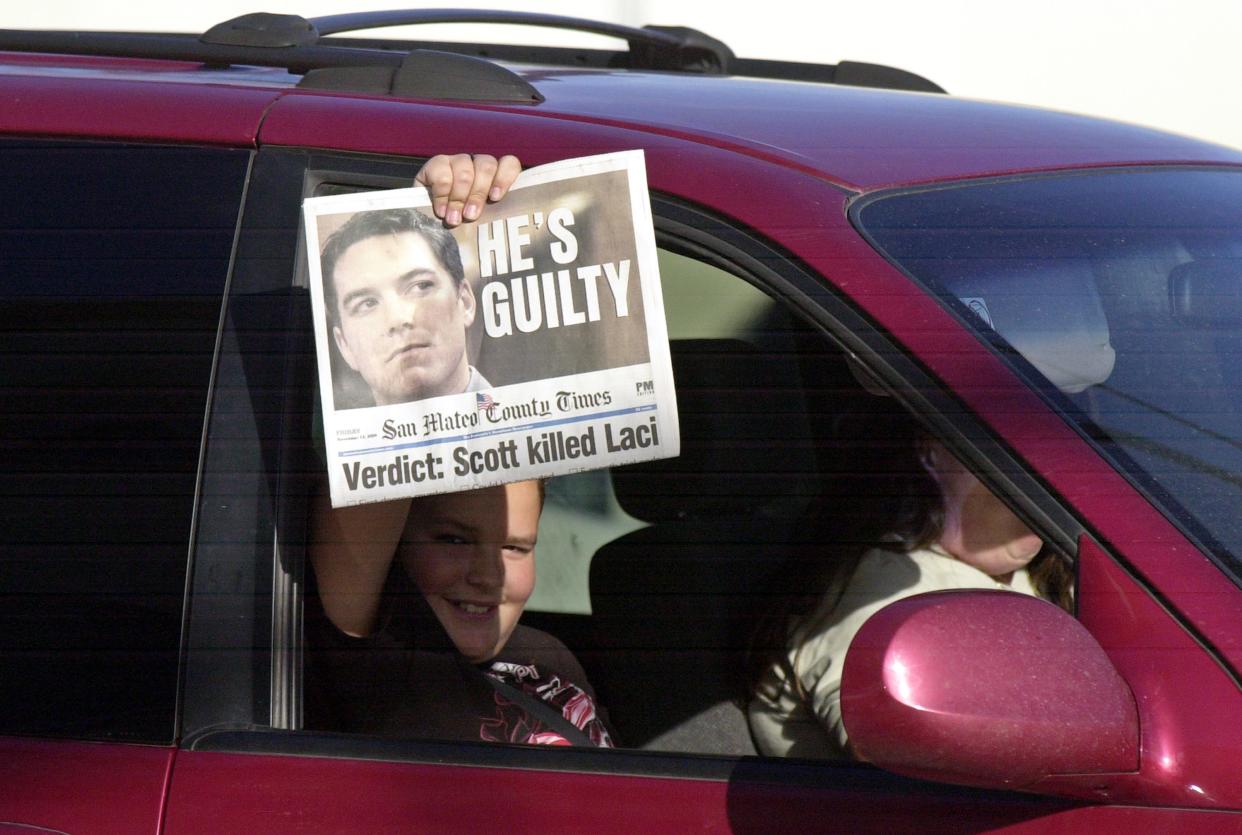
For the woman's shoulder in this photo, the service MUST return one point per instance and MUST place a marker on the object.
(880, 576)
(887, 567)
(885, 574)
(925, 569)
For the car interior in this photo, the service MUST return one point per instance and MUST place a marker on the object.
(658, 575)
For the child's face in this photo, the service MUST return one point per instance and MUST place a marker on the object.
(472, 555)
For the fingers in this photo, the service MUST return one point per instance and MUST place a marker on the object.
(476, 184)
(507, 170)
(492, 179)
(461, 184)
(440, 175)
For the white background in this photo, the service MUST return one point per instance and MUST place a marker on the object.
(1170, 64)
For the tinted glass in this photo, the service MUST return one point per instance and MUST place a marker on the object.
(1121, 292)
(657, 576)
(112, 268)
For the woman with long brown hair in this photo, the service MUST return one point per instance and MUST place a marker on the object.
(947, 531)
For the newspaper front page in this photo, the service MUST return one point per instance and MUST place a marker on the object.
(528, 344)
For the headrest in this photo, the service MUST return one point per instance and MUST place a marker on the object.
(741, 409)
(1207, 292)
(1051, 315)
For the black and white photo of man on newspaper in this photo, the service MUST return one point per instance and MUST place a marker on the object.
(528, 344)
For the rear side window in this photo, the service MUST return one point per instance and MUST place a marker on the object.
(112, 268)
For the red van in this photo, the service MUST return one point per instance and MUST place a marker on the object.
(1056, 299)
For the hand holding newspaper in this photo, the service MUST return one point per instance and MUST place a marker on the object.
(528, 344)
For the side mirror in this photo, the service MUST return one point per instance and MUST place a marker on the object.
(985, 688)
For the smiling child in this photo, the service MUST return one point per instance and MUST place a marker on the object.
(446, 659)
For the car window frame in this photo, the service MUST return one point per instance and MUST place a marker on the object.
(686, 229)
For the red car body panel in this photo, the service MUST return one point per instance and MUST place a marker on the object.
(111, 108)
(1187, 702)
(83, 786)
(233, 792)
(307, 794)
(866, 139)
(862, 140)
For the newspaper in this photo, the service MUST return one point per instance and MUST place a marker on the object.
(528, 344)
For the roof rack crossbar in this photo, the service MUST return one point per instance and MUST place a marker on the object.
(651, 47)
(355, 21)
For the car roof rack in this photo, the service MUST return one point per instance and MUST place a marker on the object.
(430, 69)
(669, 48)
(673, 48)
